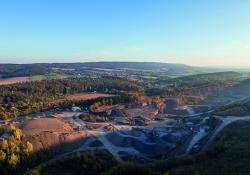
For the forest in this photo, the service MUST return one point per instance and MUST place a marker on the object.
(237, 109)
(26, 98)
(208, 77)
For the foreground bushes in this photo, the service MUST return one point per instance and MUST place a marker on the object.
(90, 163)
(13, 150)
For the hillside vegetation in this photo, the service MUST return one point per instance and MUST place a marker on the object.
(13, 150)
(238, 109)
(25, 98)
(90, 163)
(21, 70)
(209, 77)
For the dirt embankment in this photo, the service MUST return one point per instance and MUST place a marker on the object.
(36, 126)
(51, 133)
(57, 142)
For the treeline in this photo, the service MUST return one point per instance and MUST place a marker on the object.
(13, 150)
(90, 163)
(20, 70)
(25, 98)
(121, 97)
(203, 89)
(103, 102)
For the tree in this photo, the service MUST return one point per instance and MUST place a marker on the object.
(4, 145)
(17, 134)
(13, 160)
(2, 156)
(28, 148)
(13, 150)
(14, 111)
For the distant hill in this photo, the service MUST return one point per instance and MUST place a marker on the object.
(218, 76)
(20, 70)
(136, 65)
(203, 78)
(123, 65)
(16, 70)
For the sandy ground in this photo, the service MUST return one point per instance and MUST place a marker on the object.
(36, 126)
(14, 80)
(55, 133)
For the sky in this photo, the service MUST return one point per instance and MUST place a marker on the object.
(193, 32)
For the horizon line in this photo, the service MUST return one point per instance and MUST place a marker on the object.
(201, 66)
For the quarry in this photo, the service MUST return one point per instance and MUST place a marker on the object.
(142, 132)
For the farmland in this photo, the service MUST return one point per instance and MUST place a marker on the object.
(14, 80)
(9, 81)
(54, 76)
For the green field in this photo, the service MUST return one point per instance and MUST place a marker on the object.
(150, 77)
(38, 77)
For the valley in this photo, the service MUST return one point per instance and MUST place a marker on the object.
(135, 119)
